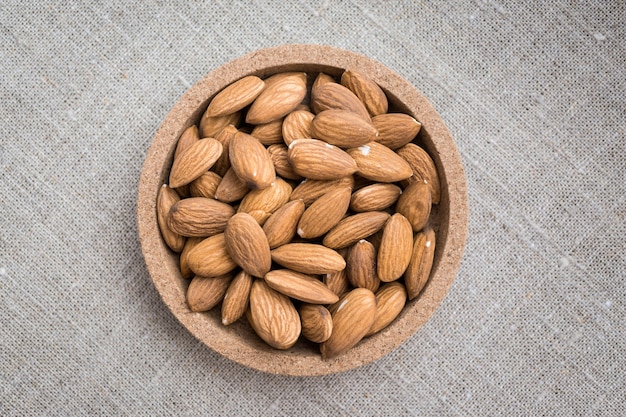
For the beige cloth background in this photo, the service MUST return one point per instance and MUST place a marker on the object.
(535, 95)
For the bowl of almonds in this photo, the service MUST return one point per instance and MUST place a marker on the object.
(302, 210)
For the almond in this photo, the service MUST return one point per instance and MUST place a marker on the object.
(199, 217)
(260, 216)
(370, 94)
(210, 257)
(236, 96)
(269, 199)
(343, 128)
(297, 125)
(205, 185)
(361, 266)
(183, 191)
(283, 167)
(166, 199)
(251, 161)
(335, 96)
(324, 213)
(212, 126)
(308, 258)
(423, 169)
(353, 316)
(395, 129)
(354, 228)
(390, 300)
(379, 163)
(269, 133)
(237, 297)
(415, 204)
(300, 286)
(247, 244)
(188, 138)
(317, 323)
(273, 316)
(223, 162)
(374, 197)
(421, 262)
(394, 253)
(194, 161)
(319, 160)
(280, 227)
(320, 80)
(190, 243)
(310, 190)
(204, 293)
(337, 282)
(231, 188)
(278, 99)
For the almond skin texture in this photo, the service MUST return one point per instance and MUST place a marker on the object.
(395, 129)
(300, 286)
(210, 257)
(330, 96)
(377, 162)
(361, 266)
(390, 300)
(194, 161)
(343, 128)
(320, 80)
(310, 190)
(199, 217)
(251, 161)
(278, 153)
(273, 316)
(230, 188)
(421, 263)
(354, 228)
(205, 185)
(374, 197)
(237, 297)
(281, 226)
(318, 160)
(190, 243)
(308, 258)
(423, 168)
(166, 199)
(324, 213)
(268, 200)
(353, 316)
(236, 96)
(395, 249)
(297, 125)
(204, 293)
(317, 323)
(269, 133)
(223, 162)
(278, 99)
(247, 244)
(188, 138)
(337, 282)
(370, 94)
(212, 126)
(415, 204)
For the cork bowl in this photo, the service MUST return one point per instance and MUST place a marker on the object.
(238, 341)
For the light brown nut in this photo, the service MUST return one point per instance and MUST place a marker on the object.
(210, 257)
(377, 162)
(337, 282)
(317, 323)
(247, 244)
(205, 185)
(199, 217)
(335, 96)
(237, 298)
(308, 258)
(361, 266)
(210, 127)
(415, 204)
(353, 315)
(260, 216)
(269, 133)
(281, 96)
(165, 200)
(423, 168)
(320, 80)
(268, 199)
(370, 94)
(278, 153)
(230, 188)
(324, 213)
(194, 161)
(224, 137)
(190, 243)
(188, 138)
(318, 160)
(273, 316)
(390, 300)
(374, 197)
(395, 129)
(204, 293)
(236, 96)
(343, 128)
(297, 125)
(280, 227)
(354, 228)
(300, 286)
(251, 161)
(395, 249)
(418, 272)
(310, 190)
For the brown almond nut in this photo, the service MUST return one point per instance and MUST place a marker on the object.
(236, 299)
(251, 161)
(374, 197)
(210, 257)
(353, 316)
(223, 162)
(354, 228)
(190, 243)
(236, 96)
(231, 188)
(273, 316)
(280, 227)
(278, 153)
(300, 286)
(165, 200)
(194, 161)
(279, 98)
(318, 160)
(415, 204)
(188, 138)
(343, 128)
(395, 129)
(331, 96)
(423, 168)
(320, 80)
(337, 282)
(317, 323)
(247, 244)
(324, 213)
(269, 133)
(390, 300)
(366, 89)
(310, 190)
(394, 253)
(308, 258)
(183, 191)
(199, 217)
(260, 216)
(302, 107)
(297, 125)
(421, 263)
(212, 126)
(361, 266)
(379, 163)
(204, 293)
(268, 199)
(205, 185)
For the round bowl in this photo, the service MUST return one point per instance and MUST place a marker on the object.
(238, 341)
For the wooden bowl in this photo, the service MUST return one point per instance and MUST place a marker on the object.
(238, 341)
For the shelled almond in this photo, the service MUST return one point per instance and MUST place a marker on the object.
(307, 212)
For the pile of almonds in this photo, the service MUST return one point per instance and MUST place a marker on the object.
(304, 206)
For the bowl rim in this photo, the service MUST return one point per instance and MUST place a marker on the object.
(164, 271)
